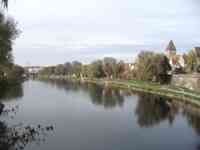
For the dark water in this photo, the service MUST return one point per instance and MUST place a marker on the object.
(60, 115)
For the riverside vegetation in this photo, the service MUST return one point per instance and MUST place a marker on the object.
(150, 73)
(9, 72)
(15, 136)
(106, 129)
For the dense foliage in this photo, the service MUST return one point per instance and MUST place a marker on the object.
(107, 68)
(149, 66)
(152, 67)
(192, 62)
(8, 33)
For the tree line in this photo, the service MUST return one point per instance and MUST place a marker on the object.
(149, 66)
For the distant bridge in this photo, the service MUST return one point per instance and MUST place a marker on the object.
(33, 70)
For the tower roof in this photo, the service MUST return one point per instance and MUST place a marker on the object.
(171, 46)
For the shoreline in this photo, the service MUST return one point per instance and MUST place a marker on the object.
(177, 93)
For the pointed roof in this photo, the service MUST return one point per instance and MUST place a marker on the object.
(171, 46)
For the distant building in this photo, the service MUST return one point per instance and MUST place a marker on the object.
(33, 69)
(171, 49)
(176, 61)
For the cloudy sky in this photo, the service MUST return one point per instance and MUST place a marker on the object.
(54, 32)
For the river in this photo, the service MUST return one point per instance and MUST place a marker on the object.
(63, 115)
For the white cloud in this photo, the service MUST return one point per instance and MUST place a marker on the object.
(76, 26)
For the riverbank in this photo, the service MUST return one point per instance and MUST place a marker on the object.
(174, 92)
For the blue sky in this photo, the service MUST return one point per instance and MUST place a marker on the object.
(85, 30)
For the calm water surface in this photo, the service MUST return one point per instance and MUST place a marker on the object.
(74, 116)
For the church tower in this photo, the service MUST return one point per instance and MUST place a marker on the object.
(171, 49)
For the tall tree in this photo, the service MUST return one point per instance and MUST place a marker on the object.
(120, 69)
(85, 70)
(152, 67)
(110, 67)
(68, 68)
(145, 66)
(191, 61)
(76, 68)
(8, 33)
(97, 69)
(60, 69)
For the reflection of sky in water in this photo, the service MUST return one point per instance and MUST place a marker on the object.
(85, 30)
(91, 117)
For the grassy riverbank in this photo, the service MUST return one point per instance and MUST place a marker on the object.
(178, 93)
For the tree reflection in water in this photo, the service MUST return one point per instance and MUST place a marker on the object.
(67, 85)
(193, 117)
(106, 96)
(152, 109)
(16, 137)
(11, 92)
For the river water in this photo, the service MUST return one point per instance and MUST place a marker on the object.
(63, 115)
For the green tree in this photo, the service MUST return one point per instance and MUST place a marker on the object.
(97, 69)
(120, 69)
(15, 73)
(110, 67)
(60, 70)
(152, 67)
(47, 71)
(85, 70)
(191, 61)
(76, 68)
(162, 68)
(68, 68)
(8, 33)
(145, 68)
